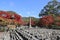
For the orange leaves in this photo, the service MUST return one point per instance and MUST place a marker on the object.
(4, 14)
(46, 20)
(8, 16)
(50, 19)
(18, 17)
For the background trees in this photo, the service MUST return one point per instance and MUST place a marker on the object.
(10, 17)
(34, 21)
(46, 21)
(50, 14)
(53, 7)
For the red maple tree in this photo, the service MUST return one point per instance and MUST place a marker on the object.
(8, 15)
(46, 21)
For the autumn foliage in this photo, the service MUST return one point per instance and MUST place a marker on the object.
(11, 18)
(46, 21)
(4, 14)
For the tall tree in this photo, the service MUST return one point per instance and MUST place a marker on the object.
(53, 7)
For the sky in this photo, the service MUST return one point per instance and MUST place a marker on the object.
(25, 8)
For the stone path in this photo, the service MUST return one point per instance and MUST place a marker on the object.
(4, 36)
(30, 34)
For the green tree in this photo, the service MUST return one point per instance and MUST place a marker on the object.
(53, 7)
